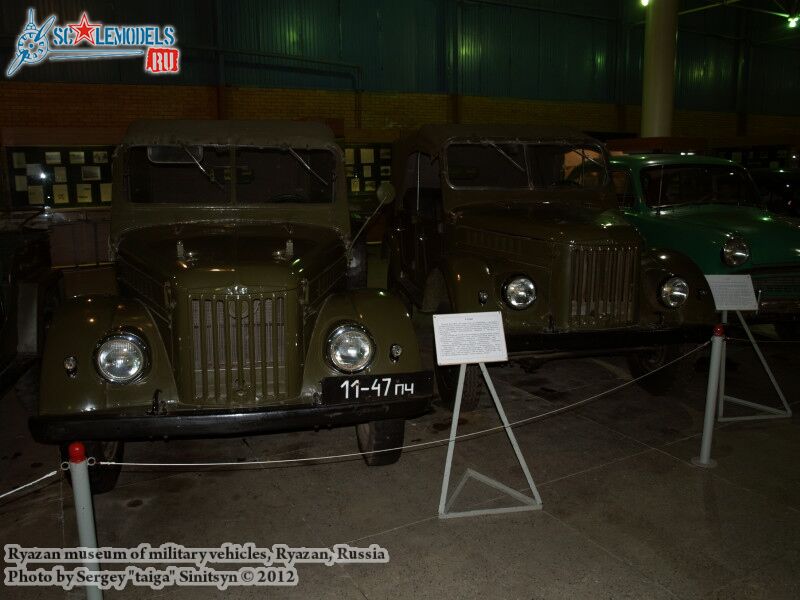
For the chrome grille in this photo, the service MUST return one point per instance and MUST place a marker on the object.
(603, 286)
(238, 347)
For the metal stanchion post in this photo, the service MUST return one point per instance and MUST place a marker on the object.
(717, 342)
(84, 513)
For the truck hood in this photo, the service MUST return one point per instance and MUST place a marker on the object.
(202, 256)
(551, 222)
(774, 240)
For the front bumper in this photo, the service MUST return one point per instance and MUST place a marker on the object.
(52, 429)
(601, 342)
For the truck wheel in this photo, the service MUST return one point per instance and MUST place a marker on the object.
(102, 478)
(667, 379)
(381, 435)
(447, 384)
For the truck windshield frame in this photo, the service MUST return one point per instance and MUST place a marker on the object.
(228, 175)
(494, 165)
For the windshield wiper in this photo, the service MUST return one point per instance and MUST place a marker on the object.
(205, 171)
(504, 154)
(307, 166)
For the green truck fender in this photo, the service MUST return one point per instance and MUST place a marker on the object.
(76, 330)
(658, 266)
(385, 319)
(458, 279)
(462, 279)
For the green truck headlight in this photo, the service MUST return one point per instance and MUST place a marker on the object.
(519, 292)
(735, 252)
(350, 348)
(674, 292)
(121, 357)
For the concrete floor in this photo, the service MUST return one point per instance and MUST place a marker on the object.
(625, 513)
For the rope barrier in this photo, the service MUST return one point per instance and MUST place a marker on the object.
(417, 445)
(27, 485)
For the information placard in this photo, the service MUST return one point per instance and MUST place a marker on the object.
(733, 292)
(469, 338)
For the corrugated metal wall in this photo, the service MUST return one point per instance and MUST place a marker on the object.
(583, 50)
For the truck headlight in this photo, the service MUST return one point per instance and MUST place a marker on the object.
(674, 292)
(350, 348)
(735, 252)
(519, 292)
(121, 357)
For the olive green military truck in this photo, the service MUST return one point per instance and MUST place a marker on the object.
(524, 220)
(230, 242)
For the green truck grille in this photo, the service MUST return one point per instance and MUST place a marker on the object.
(238, 348)
(777, 285)
(603, 286)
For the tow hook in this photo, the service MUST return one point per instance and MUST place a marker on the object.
(159, 407)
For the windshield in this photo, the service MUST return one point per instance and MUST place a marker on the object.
(518, 165)
(203, 175)
(697, 184)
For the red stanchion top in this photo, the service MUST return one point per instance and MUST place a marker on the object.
(719, 330)
(77, 453)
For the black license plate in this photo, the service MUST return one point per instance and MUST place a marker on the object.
(361, 388)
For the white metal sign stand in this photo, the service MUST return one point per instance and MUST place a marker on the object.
(477, 338)
(765, 412)
(732, 293)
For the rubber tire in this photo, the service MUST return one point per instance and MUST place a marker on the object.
(788, 332)
(102, 479)
(381, 435)
(447, 384)
(666, 380)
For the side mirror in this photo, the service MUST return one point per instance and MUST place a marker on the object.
(386, 193)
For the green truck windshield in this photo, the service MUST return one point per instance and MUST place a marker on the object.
(697, 184)
(513, 165)
(203, 175)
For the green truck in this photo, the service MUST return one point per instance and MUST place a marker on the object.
(524, 220)
(231, 313)
(709, 210)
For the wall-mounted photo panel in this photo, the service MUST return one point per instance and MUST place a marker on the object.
(105, 192)
(90, 173)
(99, 157)
(35, 195)
(20, 183)
(60, 193)
(52, 158)
(367, 156)
(60, 174)
(18, 159)
(76, 157)
(84, 192)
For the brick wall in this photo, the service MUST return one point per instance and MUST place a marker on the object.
(368, 116)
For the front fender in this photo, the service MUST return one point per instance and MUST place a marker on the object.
(387, 321)
(76, 329)
(658, 266)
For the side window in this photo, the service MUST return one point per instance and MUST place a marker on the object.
(624, 188)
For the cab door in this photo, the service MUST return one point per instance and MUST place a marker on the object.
(420, 221)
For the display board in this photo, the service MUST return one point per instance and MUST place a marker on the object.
(59, 177)
(733, 292)
(469, 338)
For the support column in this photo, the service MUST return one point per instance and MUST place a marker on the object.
(658, 77)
